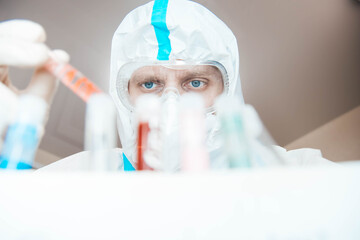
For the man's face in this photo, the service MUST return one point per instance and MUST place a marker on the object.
(205, 80)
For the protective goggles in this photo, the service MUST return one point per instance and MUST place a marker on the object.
(209, 79)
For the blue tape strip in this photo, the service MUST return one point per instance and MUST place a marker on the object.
(158, 20)
(127, 164)
(3, 163)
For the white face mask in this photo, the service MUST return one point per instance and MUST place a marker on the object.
(214, 141)
(163, 151)
(169, 146)
(163, 142)
(170, 110)
(170, 152)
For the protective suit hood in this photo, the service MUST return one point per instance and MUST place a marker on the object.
(169, 30)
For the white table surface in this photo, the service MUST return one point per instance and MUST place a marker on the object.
(309, 203)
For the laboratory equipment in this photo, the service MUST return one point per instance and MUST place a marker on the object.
(169, 128)
(72, 78)
(194, 155)
(245, 141)
(143, 133)
(100, 132)
(23, 135)
(8, 108)
(236, 146)
(148, 133)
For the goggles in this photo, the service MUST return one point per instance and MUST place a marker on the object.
(208, 78)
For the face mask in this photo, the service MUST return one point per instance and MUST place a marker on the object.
(164, 146)
(214, 142)
(169, 130)
(170, 146)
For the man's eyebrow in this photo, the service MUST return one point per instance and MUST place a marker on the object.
(198, 73)
(142, 78)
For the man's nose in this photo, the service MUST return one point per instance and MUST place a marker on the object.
(173, 82)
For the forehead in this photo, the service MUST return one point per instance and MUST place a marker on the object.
(177, 71)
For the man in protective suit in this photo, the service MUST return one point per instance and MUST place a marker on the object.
(165, 47)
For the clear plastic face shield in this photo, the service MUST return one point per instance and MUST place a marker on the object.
(171, 79)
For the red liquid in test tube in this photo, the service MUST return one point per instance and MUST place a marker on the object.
(143, 134)
(73, 79)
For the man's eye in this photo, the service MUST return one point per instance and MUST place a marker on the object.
(196, 83)
(149, 85)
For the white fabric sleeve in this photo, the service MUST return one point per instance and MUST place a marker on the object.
(77, 162)
(303, 157)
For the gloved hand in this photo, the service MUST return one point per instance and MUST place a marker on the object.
(22, 45)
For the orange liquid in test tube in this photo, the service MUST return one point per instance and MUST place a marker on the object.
(73, 79)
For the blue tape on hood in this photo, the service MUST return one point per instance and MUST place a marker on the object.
(127, 164)
(158, 20)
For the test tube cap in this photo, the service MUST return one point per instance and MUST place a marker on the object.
(100, 112)
(192, 101)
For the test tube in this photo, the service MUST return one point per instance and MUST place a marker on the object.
(194, 154)
(8, 109)
(148, 139)
(246, 142)
(23, 135)
(100, 133)
(170, 152)
(235, 142)
(72, 78)
(143, 133)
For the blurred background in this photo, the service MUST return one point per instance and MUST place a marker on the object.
(299, 66)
